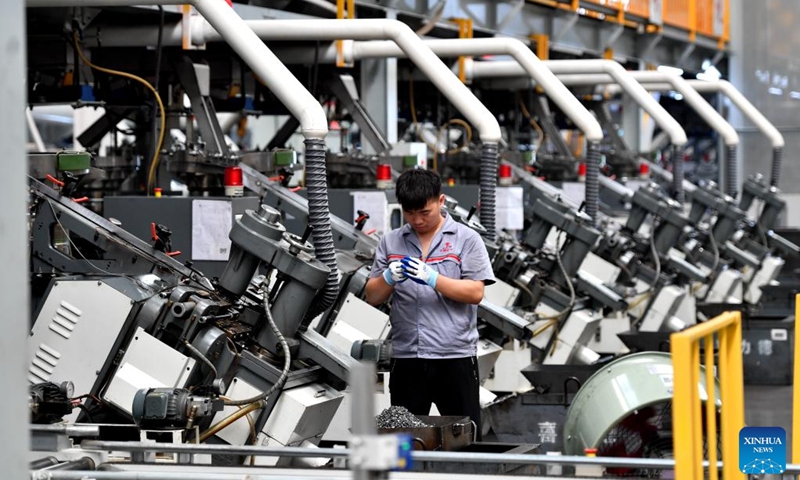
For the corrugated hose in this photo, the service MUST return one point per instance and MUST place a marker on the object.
(319, 218)
(488, 192)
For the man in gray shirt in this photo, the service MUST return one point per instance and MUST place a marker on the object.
(435, 270)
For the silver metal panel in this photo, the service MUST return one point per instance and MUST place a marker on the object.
(303, 413)
(357, 320)
(506, 375)
(75, 332)
(147, 363)
(14, 289)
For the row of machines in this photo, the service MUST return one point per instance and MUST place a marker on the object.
(259, 352)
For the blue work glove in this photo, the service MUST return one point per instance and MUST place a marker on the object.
(419, 271)
(394, 274)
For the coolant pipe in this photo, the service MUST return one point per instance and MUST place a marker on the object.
(609, 68)
(228, 26)
(422, 56)
(748, 110)
(695, 100)
(603, 68)
(524, 57)
(531, 65)
(527, 61)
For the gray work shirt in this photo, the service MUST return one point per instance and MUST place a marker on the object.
(425, 324)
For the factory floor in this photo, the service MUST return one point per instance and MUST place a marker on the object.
(769, 406)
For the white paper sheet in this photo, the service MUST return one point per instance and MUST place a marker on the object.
(510, 209)
(376, 206)
(211, 223)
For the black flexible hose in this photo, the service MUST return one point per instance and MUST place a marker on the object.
(488, 193)
(777, 160)
(731, 175)
(43, 463)
(198, 355)
(677, 174)
(287, 360)
(319, 218)
(593, 181)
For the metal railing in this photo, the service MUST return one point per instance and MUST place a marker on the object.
(687, 413)
(796, 383)
(710, 18)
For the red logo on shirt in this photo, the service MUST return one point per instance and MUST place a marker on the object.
(447, 247)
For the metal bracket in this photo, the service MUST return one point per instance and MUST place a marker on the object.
(648, 43)
(687, 50)
(568, 21)
(341, 62)
(464, 31)
(611, 35)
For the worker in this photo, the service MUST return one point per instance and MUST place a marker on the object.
(435, 270)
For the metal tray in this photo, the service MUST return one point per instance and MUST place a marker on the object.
(446, 433)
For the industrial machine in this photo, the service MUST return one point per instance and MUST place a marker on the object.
(136, 331)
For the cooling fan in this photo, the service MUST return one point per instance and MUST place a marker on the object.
(625, 410)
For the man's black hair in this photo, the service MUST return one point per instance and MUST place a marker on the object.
(415, 188)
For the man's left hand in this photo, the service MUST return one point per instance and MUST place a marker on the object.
(419, 271)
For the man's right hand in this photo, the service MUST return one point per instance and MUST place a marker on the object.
(394, 274)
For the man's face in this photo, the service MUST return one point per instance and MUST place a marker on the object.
(427, 218)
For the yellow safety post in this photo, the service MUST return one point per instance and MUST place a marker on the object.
(186, 30)
(682, 413)
(711, 410)
(796, 384)
(726, 25)
(340, 14)
(686, 404)
(542, 45)
(464, 31)
(608, 54)
(692, 21)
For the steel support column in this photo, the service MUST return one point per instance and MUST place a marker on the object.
(14, 289)
(379, 93)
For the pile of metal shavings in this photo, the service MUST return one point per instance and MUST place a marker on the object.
(398, 417)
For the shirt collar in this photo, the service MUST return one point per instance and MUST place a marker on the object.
(448, 227)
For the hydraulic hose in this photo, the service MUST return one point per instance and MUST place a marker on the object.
(777, 160)
(84, 463)
(225, 422)
(677, 174)
(198, 355)
(488, 193)
(593, 181)
(731, 175)
(319, 218)
(287, 360)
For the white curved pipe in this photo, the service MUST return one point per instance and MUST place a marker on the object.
(526, 60)
(530, 63)
(748, 109)
(233, 30)
(742, 103)
(608, 68)
(680, 85)
(380, 29)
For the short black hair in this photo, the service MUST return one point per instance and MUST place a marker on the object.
(415, 188)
